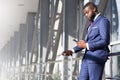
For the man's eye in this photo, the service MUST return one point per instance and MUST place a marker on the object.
(85, 14)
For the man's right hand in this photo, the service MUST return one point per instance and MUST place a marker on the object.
(67, 53)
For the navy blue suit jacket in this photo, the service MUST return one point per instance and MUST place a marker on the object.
(98, 38)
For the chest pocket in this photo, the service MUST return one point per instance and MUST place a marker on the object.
(94, 33)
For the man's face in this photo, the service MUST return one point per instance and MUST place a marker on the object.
(89, 13)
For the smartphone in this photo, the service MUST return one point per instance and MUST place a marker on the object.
(75, 40)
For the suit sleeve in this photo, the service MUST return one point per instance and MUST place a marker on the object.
(104, 34)
(77, 49)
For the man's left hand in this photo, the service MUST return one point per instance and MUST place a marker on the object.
(81, 44)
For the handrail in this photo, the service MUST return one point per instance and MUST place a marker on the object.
(114, 54)
(111, 55)
(116, 78)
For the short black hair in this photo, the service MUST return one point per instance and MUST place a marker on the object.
(91, 4)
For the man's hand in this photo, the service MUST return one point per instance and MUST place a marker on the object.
(67, 53)
(81, 44)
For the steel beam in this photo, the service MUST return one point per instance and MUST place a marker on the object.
(69, 30)
(44, 29)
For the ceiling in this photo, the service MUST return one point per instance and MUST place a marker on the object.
(12, 14)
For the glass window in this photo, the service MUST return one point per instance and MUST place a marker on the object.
(115, 21)
(115, 36)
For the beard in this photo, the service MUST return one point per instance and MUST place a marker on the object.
(92, 17)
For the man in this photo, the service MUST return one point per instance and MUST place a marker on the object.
(95, 45)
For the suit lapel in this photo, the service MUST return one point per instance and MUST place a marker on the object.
(98, 18)
(92, 25)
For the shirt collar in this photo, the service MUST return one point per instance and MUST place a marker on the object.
(96, 16)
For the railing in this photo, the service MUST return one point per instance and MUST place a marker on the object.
(26, 73)
(111, 55)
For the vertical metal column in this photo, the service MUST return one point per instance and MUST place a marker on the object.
(80, 19)
(13, 57)
(69, 31)
(17, 52)
(30, 29)
(21, 48)
(111, 20)
(44, 29)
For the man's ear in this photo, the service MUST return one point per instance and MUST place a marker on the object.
(94, 9)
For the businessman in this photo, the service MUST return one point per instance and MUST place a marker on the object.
(95, 44)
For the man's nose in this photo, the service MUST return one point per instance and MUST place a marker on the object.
(86, 15)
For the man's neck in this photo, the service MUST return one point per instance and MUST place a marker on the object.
(96, 16)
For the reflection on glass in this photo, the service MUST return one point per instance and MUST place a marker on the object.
(115, 23)
(115, 33)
